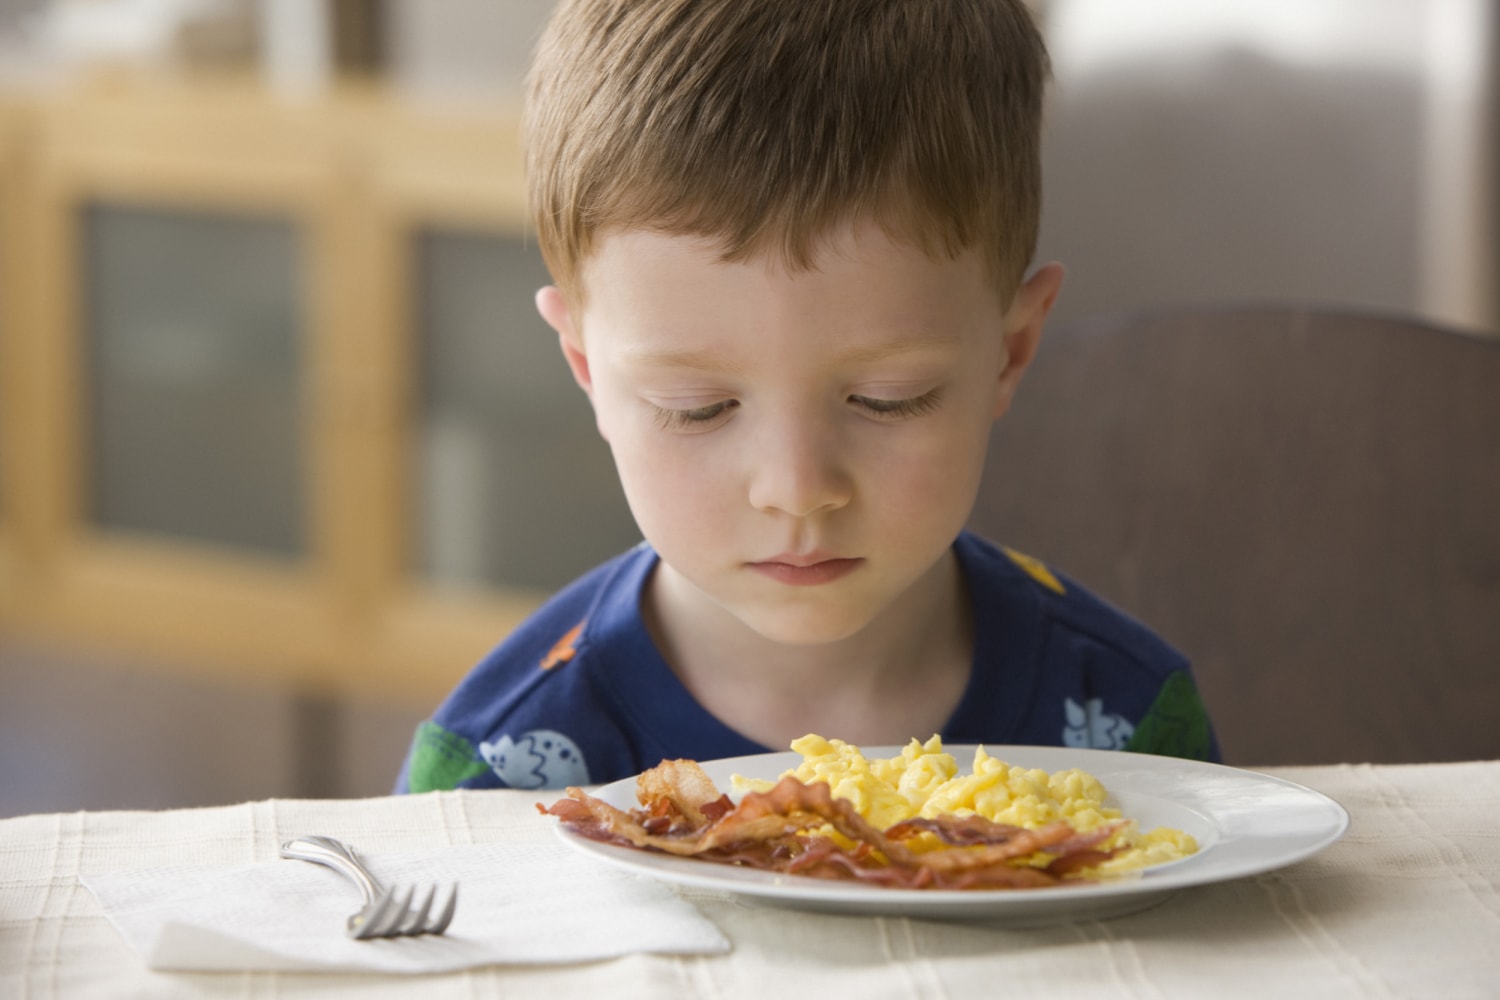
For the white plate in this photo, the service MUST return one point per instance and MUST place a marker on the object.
(1245, 823)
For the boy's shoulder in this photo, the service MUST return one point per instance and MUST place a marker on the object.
(553, 635)
(577, 695)
(1093, 675)
(529, 713)
(1064, 604)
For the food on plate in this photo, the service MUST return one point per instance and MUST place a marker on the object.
(910, 821)
(924, 782)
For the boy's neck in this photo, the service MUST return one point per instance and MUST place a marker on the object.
(900, 677)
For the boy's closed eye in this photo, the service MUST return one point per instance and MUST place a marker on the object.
(897, 409)
(699, 418)
(696, 418)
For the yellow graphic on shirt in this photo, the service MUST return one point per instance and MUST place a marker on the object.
(1036, 570)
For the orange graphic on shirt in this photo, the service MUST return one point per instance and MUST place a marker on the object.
(564, 650)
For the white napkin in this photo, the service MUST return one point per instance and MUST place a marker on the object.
(517, 904)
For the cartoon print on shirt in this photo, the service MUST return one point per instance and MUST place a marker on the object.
(1090, 727)
(542, 758)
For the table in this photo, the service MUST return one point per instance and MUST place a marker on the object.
(1406, 905)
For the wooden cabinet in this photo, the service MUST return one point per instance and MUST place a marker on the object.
(274, 400)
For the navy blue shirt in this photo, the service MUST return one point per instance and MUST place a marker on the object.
(579, 694)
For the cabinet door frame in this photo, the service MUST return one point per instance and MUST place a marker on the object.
(223, 610)
(426, 173)
(14, 122)
(359, 176)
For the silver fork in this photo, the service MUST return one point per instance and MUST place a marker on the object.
(386, 912)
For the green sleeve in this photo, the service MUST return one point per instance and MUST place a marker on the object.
(441, 760)
(1176, 724)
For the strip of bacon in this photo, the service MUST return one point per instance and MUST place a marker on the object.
(784, 829)
(685, 787)
(956, 830)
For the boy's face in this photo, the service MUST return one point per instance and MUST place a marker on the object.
(801, 449)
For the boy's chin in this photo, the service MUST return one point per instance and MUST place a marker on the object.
(803, 627)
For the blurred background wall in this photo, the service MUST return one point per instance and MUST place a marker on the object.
(283, 447)
(1337, 151)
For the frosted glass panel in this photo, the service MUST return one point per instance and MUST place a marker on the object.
(516, 487)
(193, 326)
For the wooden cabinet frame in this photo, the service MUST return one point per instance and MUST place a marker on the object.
(358, 177)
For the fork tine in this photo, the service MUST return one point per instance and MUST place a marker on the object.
(389, 924)
(415, 921)
(398, 919)
(443, 919)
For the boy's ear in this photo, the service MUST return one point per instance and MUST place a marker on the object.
(1023, 328)
(554, 309)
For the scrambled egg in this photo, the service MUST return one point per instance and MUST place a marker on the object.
(924, 782)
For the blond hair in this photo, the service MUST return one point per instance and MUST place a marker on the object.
(764, 125)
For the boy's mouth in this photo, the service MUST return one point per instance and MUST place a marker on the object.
(805, 571)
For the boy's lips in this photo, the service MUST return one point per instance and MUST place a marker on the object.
(805, 570)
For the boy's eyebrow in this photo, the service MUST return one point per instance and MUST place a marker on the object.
(696, 359)
(710, 361)
(915, 344)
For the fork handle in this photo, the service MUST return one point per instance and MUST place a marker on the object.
(337, 855)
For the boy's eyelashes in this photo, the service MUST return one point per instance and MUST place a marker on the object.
(705, 417)
(695, 418)
(890, 409)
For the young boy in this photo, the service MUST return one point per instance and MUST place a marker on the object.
(790, 241)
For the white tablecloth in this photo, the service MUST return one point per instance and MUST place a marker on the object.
(1406, 905)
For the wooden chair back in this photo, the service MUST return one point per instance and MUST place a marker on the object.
(1307, 504)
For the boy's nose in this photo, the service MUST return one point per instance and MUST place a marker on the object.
(798, 472)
